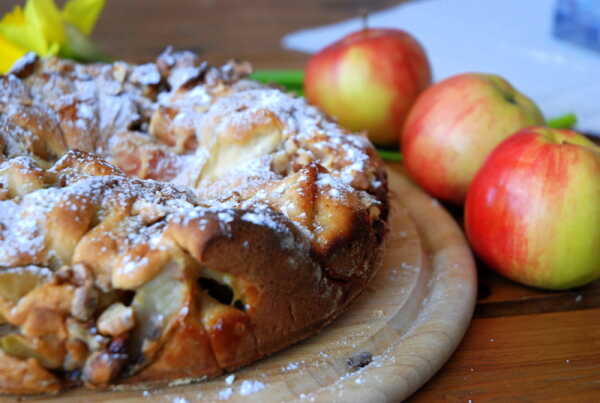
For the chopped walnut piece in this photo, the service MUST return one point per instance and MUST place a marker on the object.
(87, 334)
(85, 302)
(359, 360)
(77, 352)
(77, 274)
(116, 319)
(81, 274)
(102, 367)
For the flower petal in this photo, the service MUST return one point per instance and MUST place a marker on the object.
(10, 53)
(15, 29)
(16, 16)
(25, 37)
(43, 16)
(83, 14)
(53, 49)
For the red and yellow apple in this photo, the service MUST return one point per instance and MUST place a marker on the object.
(369, 80)
(533, 210)
(455, 124)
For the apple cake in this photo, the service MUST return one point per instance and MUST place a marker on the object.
(171, 221)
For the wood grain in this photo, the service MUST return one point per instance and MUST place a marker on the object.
(566, 322)
(138, 30)
(528, 358)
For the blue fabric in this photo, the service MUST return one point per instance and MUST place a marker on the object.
(578, 21)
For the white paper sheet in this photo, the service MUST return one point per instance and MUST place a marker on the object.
(512, 38)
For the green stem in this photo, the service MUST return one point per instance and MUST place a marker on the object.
(567, 121)
(81, 48)
(287, 78)
(392, 156)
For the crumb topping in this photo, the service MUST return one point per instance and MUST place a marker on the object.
(171, 202)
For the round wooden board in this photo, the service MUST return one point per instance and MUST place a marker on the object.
(410, 319)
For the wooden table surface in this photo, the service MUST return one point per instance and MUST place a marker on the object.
(523, 344)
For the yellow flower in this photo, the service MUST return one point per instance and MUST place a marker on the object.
(83, 14)
(9, 54)
(44, 29)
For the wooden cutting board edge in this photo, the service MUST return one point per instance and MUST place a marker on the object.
(446, 312)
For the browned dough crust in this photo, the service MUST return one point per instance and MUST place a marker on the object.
(171, 221)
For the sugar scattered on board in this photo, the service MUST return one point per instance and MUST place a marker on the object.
(292, 366)
(225, 394)
(250, 386)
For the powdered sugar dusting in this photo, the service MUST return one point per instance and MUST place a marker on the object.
(250, 386)
(314, 137)
(225, 394)
(202, 154)
(179, 98)
(230, 378)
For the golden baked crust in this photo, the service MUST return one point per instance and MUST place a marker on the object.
(171, 220)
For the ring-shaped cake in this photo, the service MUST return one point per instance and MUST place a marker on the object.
(171, 221)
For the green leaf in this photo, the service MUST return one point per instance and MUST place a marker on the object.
(567, 121)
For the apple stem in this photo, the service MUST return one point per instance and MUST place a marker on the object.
(364, 15)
